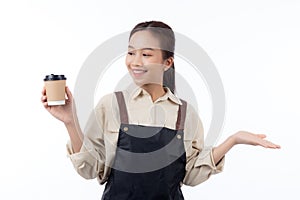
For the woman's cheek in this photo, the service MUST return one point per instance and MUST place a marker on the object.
(127, 61)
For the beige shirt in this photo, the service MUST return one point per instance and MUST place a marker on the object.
(101, 134)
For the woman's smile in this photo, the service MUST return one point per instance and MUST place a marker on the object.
(138, 72)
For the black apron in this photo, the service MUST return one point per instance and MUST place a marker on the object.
(149, 162)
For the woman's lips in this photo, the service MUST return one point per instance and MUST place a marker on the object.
(138, 72)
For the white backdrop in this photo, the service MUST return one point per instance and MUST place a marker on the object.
(254, 44)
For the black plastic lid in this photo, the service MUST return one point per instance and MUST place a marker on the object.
(53, 77)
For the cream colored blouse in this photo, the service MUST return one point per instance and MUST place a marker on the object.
(101, 135)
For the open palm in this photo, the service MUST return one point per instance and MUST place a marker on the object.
(244, 137)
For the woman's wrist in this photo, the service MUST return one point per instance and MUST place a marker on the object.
(70, 122)
(232, 140)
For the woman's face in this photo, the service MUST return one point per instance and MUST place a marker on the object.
(144, 59)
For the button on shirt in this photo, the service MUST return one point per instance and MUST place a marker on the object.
(96, 156)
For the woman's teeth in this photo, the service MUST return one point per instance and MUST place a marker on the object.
(139, 71)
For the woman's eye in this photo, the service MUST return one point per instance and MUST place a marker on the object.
(130, 53)
(147, 55)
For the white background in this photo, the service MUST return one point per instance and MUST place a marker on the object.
(254, 44)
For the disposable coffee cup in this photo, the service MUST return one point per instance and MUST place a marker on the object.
(55, 89)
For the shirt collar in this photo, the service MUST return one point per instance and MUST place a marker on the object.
(138, 92)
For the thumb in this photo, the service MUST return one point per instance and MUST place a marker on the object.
(261, 136)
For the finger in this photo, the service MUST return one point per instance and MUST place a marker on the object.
(269, 144)
(44, 99)
(69, 94)
(44, 91)
(45, 104)
(274, 146)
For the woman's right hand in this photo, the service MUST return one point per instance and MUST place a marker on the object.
(64, 113)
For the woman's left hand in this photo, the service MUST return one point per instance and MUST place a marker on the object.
(244, 137)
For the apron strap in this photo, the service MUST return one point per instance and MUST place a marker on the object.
(181, 115)
(124, 115)
(122, 107)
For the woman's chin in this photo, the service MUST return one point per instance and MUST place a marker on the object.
(139, 83)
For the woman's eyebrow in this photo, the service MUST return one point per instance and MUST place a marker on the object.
(146, 48)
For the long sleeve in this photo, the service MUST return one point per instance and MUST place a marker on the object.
(89, 162)
(200, 163)
(96, 157)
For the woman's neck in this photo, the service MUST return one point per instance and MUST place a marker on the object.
(155, 90)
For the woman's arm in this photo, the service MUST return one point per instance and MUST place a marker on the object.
(76, 135)
(67, 114)
(241, 137)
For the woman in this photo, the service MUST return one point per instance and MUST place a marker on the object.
(138, 154)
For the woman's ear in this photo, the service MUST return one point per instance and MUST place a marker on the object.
(168, 63)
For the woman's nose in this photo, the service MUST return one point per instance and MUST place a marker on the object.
(137, 60)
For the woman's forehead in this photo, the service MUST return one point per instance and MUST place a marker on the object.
(143, 40)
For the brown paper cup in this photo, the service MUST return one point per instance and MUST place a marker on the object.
(55, 89)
